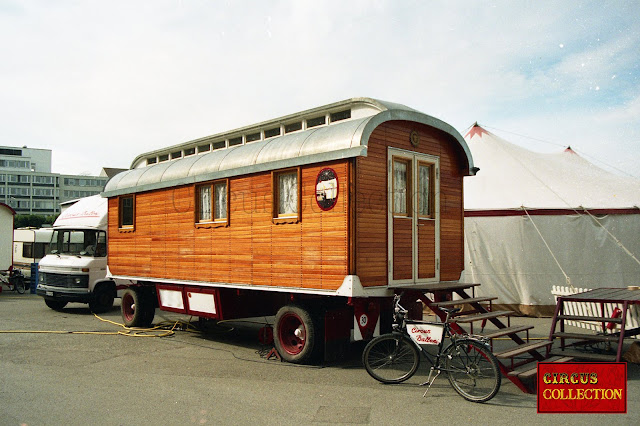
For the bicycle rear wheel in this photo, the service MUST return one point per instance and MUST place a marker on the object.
(473, 370)
(391, 358)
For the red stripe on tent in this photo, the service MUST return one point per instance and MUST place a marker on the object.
(546, 212)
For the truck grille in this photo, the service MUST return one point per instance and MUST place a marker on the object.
(64, 281)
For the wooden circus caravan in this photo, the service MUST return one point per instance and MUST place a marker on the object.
(316, 217)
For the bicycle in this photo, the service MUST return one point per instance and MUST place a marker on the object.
(14, 280)
(472, 369)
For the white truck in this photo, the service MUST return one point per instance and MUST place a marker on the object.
(76, 266)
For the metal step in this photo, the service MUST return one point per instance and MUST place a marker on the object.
(584, 355)
(510, 353)
(588, 318)
(479, 317)
(462, 301)
(527, 371)
(506, 331)
(582, 336)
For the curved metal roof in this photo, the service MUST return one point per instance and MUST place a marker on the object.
(343, 139)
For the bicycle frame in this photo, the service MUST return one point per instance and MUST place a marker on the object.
(471, 368)
(402, 326)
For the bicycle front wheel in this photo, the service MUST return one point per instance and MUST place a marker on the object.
(391, 358)
(473, 370)
(19, 284)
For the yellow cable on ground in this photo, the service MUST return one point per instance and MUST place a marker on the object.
(143, 332)
(164, 329)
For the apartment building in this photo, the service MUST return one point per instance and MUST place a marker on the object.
(29, 187)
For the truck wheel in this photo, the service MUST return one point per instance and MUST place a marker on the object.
(56, 305)
(103, 296)
(295, 334)
(135, 308)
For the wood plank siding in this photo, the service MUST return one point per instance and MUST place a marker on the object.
(315, 252)
(165, 243)
(372, 208)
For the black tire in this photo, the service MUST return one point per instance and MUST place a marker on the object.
(296, 334)
(56, 305)
(391, 358)
(137, 309)
(473, 370)
(149, 305)
(103, 296)
(18, 282)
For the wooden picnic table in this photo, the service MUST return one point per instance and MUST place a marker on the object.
(620, 296)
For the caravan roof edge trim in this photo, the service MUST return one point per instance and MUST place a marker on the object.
(281, 164)
(345, 139)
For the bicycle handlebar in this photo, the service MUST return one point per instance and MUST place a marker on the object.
(400, 310)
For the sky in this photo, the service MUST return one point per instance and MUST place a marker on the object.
(100, 82)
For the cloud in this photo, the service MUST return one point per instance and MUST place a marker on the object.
(102, 82)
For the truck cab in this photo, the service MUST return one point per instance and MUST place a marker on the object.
(74, 270)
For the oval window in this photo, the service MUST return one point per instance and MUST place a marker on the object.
(327, 189)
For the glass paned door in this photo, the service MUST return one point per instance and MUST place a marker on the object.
(414, 222)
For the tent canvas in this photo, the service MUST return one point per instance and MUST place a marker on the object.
(535, 220)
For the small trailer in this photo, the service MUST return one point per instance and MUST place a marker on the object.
(30, 245)
(316, 217)
(6, 237)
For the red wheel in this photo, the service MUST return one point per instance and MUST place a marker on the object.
(129, 301)
(295, 334)
(137, 307)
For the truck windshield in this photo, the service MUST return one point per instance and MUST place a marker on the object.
(79, 242)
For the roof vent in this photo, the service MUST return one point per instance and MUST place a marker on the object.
(293, 127)
(235, 141)
(340, 115)
(254, 137)
(272, 132)
(317, 121)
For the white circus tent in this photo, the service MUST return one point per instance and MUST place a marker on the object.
(535, 220)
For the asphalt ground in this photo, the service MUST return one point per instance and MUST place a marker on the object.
(221, 377)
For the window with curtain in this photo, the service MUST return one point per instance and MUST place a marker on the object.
(220, 203)
(213, 207)
(204, 203)
(424, 190)
(401, 188)
(288, 193)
